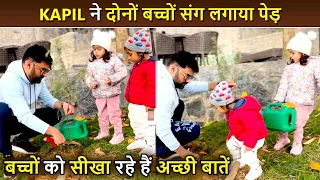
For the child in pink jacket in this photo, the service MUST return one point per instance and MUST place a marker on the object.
(298, 86)
(105, 71)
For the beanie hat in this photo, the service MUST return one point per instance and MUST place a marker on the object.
(221, 95)
(139, 42)
(102, 39)
(301, 42)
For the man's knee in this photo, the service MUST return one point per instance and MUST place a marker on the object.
(195, 133)
(48, 115)
(4, 111)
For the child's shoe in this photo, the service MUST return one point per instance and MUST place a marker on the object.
(148, 150)
(101, 135)
(282, 142)
(137, 144)
(296, 149)
(254, 173)
(117, 138)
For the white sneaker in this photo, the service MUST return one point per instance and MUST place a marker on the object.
(254, 173)
(148, 150)
(137, 144)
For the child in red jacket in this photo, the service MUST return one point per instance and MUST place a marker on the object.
(140, 91)
(246, 124)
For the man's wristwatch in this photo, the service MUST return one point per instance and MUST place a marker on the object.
(61, 105)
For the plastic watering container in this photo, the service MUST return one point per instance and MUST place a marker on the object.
(73, 129)
(280, 117)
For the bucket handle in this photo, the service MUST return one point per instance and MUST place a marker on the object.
(71, 120)
(83, 129)
(293, 117)
(274, 105)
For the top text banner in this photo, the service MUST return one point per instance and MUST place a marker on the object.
(160, 13)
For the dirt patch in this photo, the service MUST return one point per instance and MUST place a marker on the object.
(94, 156)
(46, 177)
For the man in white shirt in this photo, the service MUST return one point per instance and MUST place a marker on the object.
(21, 88)
(172, 133)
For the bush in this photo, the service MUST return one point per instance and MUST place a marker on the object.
(63, 87)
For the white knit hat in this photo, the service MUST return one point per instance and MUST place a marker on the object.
(221, 95)
(103, 39)
(301, 42)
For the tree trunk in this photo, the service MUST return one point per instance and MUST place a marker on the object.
(122, 35)
(234, 171)
(287, 33)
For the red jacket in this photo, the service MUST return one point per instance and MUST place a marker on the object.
(246, 123)
(141, 87)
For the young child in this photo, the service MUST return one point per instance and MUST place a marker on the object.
(298, 86)
(140, 92)
(105, 71)
(247, 127)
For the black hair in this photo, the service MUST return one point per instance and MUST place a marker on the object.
(184, 59)
(38, 54)
(227, 106)
(303, 60)
(140, 54)
(106, 57)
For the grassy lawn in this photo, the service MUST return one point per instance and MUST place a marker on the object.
(211, 143)
(276, 165)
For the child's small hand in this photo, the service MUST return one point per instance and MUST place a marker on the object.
(248, 149)
(94, 85)
(232, 84)
(108, 81)
(183, 153)
(150, 112)
(147, 108)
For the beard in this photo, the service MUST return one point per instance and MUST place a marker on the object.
(34, 78)
(180, 85)
(37, 80)
(176, 84)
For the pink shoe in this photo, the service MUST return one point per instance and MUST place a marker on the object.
(296, 149)
(101, 135)
(117, 138)
(282, 142)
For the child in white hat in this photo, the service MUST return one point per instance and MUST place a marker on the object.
(105, 72)
(298, 86)
(247, 128)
